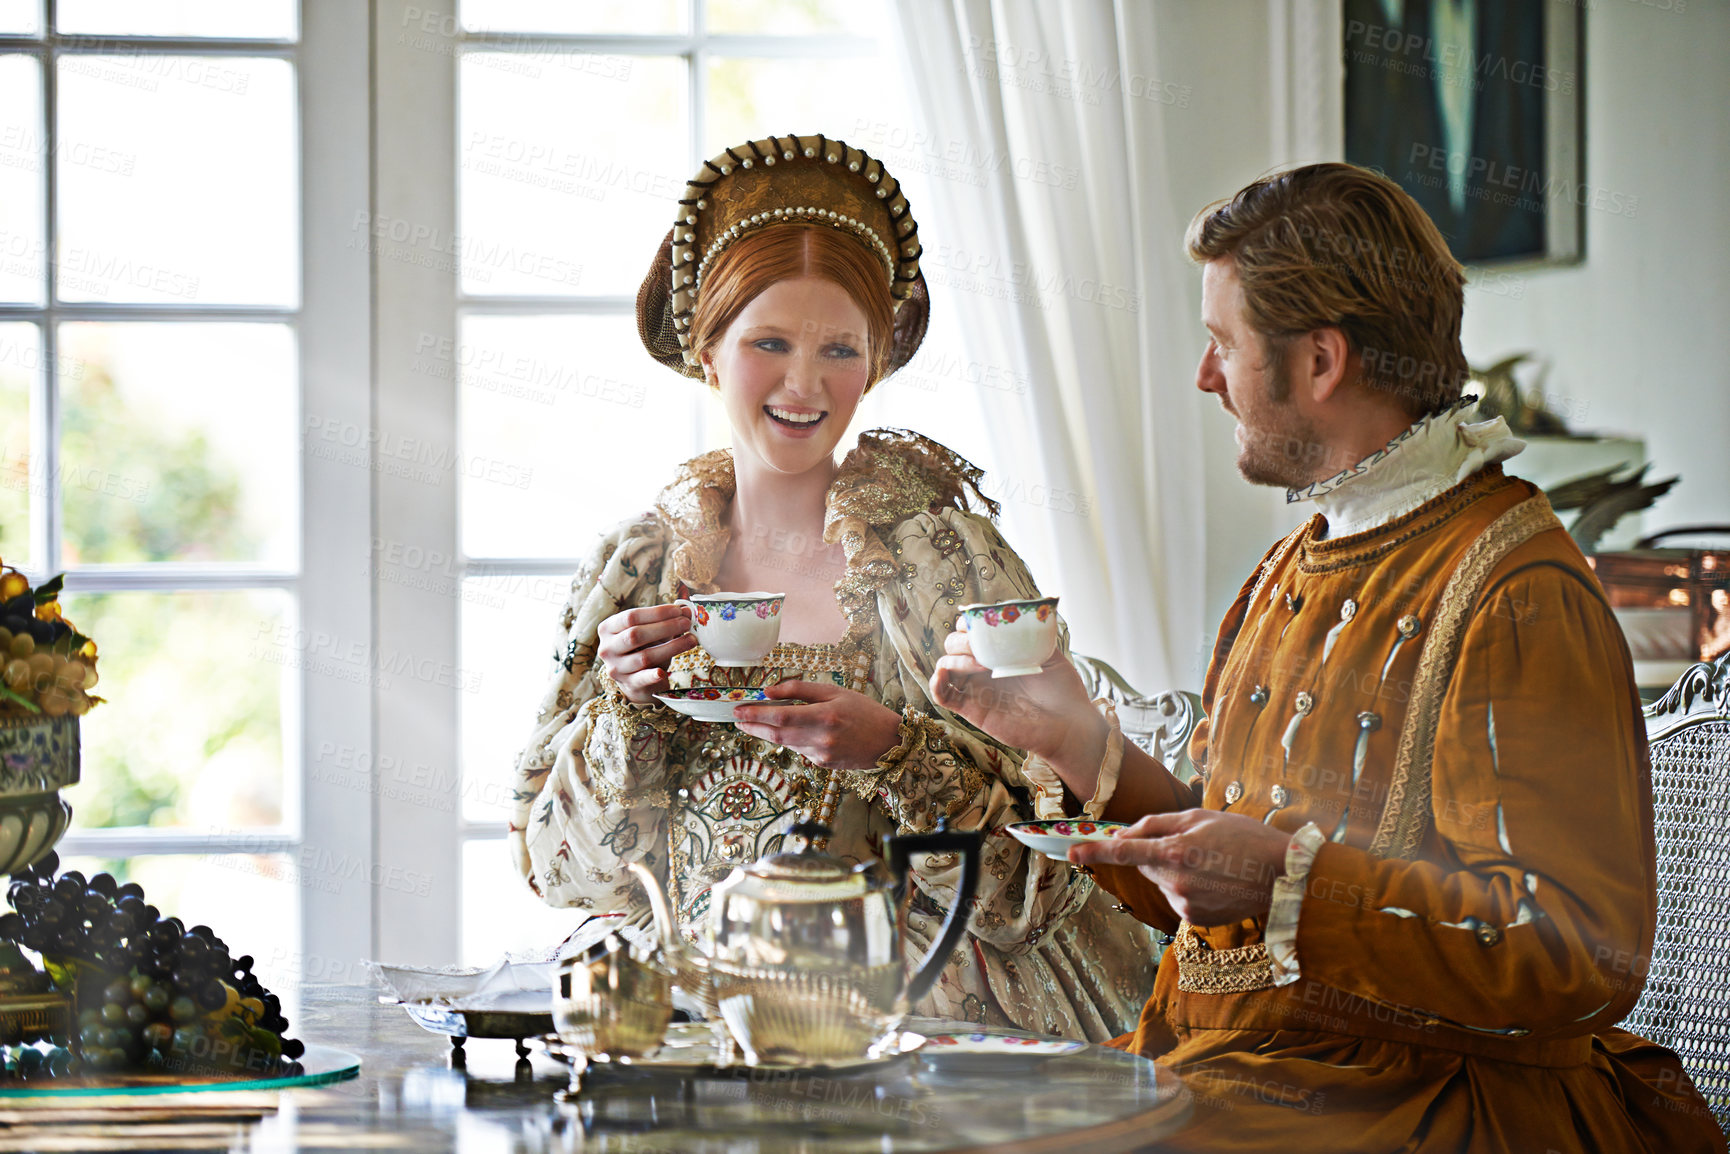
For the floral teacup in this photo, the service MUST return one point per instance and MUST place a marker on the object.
(1012, 638)
(737, 629)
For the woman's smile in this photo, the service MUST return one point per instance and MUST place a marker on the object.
(796, 422)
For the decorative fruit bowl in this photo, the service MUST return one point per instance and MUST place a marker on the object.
(46, 671)
(38, 758)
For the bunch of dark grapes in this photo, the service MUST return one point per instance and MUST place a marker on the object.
(97, 921)
(177, 997)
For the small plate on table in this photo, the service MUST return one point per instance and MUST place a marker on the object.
(988, 1053)
(715, 703)
(1053, 838)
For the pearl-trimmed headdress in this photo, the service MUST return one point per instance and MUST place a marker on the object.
(781, 180)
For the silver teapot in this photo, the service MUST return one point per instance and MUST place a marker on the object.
(801, 953)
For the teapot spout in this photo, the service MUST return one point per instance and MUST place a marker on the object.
(690, 968)
(665, 927)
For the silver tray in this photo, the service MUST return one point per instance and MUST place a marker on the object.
(689, 1051)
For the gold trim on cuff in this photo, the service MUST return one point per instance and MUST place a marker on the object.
(1201, 969)
(911, 727)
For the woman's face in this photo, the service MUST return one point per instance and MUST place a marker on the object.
(791, 369)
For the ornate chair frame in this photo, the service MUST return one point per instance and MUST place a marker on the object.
(1686, 1001)
(1162, 724)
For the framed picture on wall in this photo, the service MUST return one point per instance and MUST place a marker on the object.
(1476, 108)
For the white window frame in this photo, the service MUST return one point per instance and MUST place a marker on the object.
(332, 328)
(417, 167)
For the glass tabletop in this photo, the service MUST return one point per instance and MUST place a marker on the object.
(414, 1092)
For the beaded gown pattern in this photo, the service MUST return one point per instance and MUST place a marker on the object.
(604, 782)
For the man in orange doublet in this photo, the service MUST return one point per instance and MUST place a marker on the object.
(1409, 895)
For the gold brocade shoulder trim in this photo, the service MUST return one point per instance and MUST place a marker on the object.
(1406, 816)
(892, 474)
(889, 476)
(693, 507)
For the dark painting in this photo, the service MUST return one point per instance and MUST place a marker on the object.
(1471, 106)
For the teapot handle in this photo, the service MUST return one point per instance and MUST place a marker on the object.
(943, 840)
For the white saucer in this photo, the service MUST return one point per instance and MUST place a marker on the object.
(1053, 838)
(987, 1053)
(715, 704)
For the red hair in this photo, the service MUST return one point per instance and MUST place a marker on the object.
(759, 259)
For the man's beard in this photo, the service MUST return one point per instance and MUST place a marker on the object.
(1287, 453)
(1287, 456)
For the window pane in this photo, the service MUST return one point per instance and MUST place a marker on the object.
(571, 167)
(22, 246)
(567, 428)
(20, 361)
(749, 98)
(191, 732)
(178, 443)
(796, 17)
(635, 17)
(251, 901)
(22, 17)
(194, 199)
(500, 913)
(260, 19)
(507, 630)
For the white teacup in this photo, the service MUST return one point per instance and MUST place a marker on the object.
(1012, 638)
(737, 629)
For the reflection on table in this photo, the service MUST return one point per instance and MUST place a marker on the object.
(410, 1097)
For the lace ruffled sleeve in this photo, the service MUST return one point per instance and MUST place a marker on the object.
(590, 789)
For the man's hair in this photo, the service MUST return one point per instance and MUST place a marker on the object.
(1338, 245)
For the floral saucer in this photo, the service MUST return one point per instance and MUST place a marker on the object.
(1053, 838)
(715, 703)
(992, 1053)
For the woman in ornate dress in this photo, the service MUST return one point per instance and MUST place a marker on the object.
(790, 284)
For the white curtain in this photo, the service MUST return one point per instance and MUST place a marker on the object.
(1056, 241)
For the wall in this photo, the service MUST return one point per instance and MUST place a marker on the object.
(1635, 338)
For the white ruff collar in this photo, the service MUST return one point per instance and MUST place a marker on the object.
(1420, 464)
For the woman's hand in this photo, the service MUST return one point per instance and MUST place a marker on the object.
(839, 729)
(636, 646)
(1048, 713)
